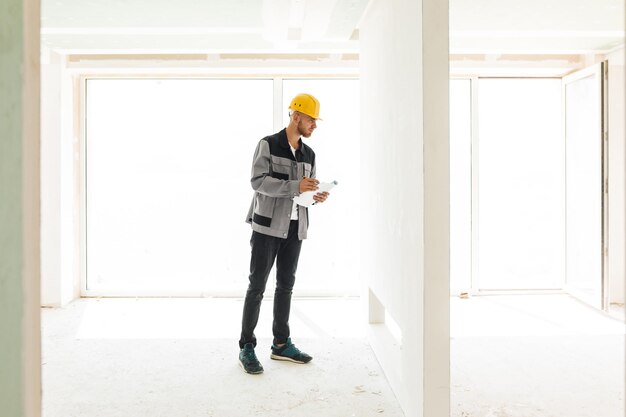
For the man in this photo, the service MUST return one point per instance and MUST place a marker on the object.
(282, 168)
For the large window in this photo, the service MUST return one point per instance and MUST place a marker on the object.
(520, 184)
(331, 256)
(168, 184)
(583, 141)
(507, 170)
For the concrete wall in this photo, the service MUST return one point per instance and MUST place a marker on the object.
(405, 198)
(617, 177)
(20, 363)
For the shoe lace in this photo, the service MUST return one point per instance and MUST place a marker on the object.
(293, 348)
(250, 355)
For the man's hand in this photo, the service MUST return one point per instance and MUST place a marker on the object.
(308, 184)
(320, 197)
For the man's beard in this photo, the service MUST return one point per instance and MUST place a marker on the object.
(303, 132)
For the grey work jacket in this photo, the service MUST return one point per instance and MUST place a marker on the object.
(276, 177)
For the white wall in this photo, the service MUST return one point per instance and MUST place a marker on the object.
(405, 198)
(617, 177)
(58, 215)
(51, 68)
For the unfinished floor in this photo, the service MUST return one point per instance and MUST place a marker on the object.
(511, 356)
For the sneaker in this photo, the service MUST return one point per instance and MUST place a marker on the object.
(248, 360)
(289, 352)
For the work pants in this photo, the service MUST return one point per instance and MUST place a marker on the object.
(266, 249)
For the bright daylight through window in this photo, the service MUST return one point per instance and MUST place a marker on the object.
(168, 187)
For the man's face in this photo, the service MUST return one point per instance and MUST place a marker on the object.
(306, 125)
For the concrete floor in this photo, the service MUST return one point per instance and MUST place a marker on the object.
(178, 358)
(511, 356)
(535, 356)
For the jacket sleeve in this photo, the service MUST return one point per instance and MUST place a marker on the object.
(262, 182)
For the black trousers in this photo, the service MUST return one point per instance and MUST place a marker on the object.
(266, 249)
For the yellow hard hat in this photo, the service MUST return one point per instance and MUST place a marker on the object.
(307, 104)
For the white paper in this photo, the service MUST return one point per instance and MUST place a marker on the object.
(306, 198)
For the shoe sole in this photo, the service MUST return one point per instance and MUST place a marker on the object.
(285, 358)
(248, 372)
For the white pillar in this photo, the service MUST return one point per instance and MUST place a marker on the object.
(59, 280)
(405, 206)
(51, 256)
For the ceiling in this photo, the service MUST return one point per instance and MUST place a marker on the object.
(320, 26)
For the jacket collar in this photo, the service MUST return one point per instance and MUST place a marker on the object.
(284, 142)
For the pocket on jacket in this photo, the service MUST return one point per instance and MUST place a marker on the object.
(281, 168)
(307, 169)
(264, 209)
(280, 176)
